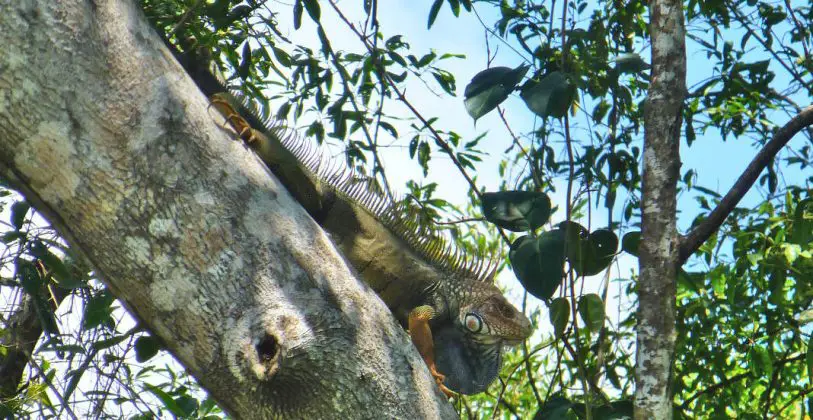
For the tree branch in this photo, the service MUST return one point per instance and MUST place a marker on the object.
(694, 239)
(106, 135)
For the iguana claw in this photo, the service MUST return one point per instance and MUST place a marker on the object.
(439, 378)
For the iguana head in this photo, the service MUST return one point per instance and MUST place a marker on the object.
(488, 317)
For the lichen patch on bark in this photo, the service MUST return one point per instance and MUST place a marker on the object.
(45, 148)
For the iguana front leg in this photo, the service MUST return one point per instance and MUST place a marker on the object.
(225, 106)
(421, 335)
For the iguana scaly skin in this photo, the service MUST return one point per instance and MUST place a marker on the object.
(457, 318)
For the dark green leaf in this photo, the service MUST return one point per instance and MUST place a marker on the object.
(312, 6)
(516, 211)
(809, 357)
(760, 362)
(97, 310)
(559, 310)
(617, 410)
(556, 408)
(60, 271)
(549, 97)
(433, 13)
(538, 263)
(592, 254)
(28, 276)
(491, 87)
(802, 232)
(591, 310)
(297, 14)
(245, 63)
(108, 342)
(146, 347)
(18, 212)
(630, 63)
(167, 400)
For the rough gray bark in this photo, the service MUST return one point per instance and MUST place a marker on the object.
(659, 253)
(104, 133)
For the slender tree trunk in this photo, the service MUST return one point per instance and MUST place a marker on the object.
(659, 253)
(103, 132)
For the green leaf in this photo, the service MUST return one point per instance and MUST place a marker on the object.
(538, 263)
(630, 63)
(809, 357)
(312, 6)
(167, 400)
(97, 310)
(549, 97)
(245, 63)
(55, 266)
(109, 342)
(433, 13)
(18, 212)
(616, 410)
(516, 211)
(590, 254)
(297, 14)
(559, 310)
(146, 347)
(11, 236)
(490, 88)
(760, 362)
(802, 232)
(28, 276)
(630, 242)
(558, 408)
(591, 310)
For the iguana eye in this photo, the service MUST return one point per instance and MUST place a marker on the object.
(474, 323)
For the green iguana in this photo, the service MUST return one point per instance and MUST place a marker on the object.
(457, 318)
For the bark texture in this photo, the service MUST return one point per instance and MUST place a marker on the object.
(659, 253)
(103, 132)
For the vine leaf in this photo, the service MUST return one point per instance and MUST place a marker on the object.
(559, 310)
(629, 63)
(490, 88)
(538, 262)
(550, 96)
(591, 310)
(517, 211)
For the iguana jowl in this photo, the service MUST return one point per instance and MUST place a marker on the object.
(456, 316)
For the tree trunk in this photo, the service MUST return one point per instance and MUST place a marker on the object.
(659, 253)
(103, 132)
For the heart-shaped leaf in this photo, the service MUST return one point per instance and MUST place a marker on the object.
(516, 211)
(589, 253)
(630, 242)
(538, 263)
(551, 96)
(490, 88)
